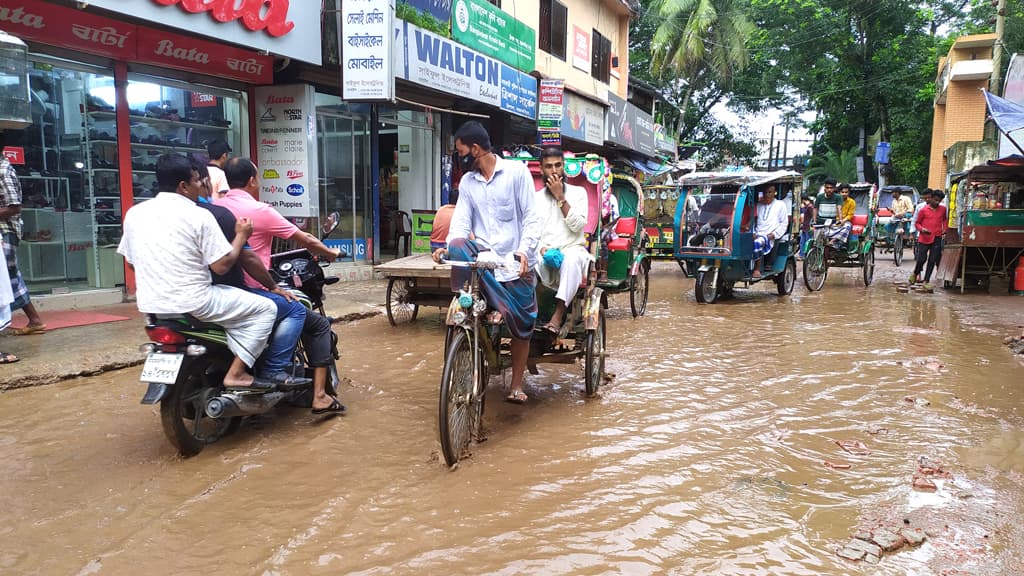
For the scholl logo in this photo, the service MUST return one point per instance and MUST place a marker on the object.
(295, 189)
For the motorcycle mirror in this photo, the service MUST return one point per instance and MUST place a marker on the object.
(330, 224)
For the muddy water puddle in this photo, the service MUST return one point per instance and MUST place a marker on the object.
(705, 454)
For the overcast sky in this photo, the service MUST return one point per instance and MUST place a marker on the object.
(761, 126)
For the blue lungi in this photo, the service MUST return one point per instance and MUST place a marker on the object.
(516, 299)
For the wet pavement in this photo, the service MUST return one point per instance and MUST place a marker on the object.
(705, 454)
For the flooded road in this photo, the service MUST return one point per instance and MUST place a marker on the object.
(703, 455)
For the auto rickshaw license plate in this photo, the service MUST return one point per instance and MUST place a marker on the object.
(161, 368)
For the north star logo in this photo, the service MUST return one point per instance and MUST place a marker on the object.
(270, 174)
(271, 99)
(295, 174)
(256, 15)
(19, 16)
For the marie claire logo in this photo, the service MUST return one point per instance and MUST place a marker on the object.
(250, 66)
(20, 16)
(106, 36)
(270, 175)
(271, 99)
(256, 15)
(296, 190)
(296, 174)
(268, 145)
(167, 48)
(293, 113)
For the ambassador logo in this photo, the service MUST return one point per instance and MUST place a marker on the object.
(296, 190)
(296, 174)
(270, 174)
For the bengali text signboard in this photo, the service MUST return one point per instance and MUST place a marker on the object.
(549, 111)
(367, 64)
(583, 119)
(490, 30)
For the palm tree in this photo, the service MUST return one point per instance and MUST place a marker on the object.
(699, 42)
(840, 165)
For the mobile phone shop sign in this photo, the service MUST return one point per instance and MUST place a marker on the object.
(494, 32)
(439, 63)
(367, 65)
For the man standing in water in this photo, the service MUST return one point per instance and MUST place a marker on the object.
(496, 204)
(931, 226)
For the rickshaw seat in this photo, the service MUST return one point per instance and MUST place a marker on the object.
(859, 222)
(625, 227)
(620, 243)
(884, 212)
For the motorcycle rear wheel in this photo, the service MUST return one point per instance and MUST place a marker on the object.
(183, 413)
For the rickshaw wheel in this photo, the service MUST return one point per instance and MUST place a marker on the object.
(638, 291)
(593, 364)
(400, 309)
(785, 281)
(897, 250)
(704, 288)
(461, 405)
(869, 266)
(815, 268)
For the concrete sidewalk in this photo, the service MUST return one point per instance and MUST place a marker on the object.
(88, 350)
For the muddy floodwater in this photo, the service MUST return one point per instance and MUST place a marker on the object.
(705, 454)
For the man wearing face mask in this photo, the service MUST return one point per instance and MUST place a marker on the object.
(496, 204)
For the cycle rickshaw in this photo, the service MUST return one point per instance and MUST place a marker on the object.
(859, 251)
(628, 264)
(714, 236)
(892, 231)
(476, 341)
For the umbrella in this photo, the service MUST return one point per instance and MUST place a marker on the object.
(1007, 115)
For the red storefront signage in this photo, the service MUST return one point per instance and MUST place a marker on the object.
(274, 20)
(203, 100)
(14, 154)
(78, 30)
(185, 53)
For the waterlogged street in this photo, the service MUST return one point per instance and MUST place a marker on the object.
(705, 454)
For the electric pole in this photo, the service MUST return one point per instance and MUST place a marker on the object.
(995, 86)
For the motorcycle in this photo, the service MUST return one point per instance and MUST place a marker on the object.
(186, 360)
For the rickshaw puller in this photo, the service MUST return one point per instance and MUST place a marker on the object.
(496, 204)
(902, 207)
(562, 209)
(772, 221)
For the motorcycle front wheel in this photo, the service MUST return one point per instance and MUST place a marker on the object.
(183, 412)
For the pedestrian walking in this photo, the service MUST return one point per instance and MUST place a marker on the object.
(6, 297)
(10, 229)
(931, 227)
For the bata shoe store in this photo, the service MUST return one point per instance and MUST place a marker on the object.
(114, 85)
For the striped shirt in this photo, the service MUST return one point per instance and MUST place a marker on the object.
(10, 195)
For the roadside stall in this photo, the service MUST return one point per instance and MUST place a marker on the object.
(986, 234)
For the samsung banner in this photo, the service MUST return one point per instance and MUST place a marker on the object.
(447, 66)
(286, 145)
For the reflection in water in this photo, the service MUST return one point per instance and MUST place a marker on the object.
(705, 454)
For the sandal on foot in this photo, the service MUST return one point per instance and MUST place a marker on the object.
(551, 328)
(335, 408)
(517, 397)
(7, 358)
(28, 330)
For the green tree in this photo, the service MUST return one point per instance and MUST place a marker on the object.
(840, 165)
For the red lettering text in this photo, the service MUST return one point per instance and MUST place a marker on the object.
(269, 15)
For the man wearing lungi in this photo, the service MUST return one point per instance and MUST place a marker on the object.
(563, 215)
(496, 204)
(772, 224)
(11, 227)
(173, 244)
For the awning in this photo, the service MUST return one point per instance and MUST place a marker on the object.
(1008, 116)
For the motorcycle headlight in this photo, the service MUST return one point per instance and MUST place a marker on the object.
(709, 241)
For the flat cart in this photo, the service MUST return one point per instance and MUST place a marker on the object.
(415, 281)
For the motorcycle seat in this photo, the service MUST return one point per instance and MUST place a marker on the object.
(192, 322)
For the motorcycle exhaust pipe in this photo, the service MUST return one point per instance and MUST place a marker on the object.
(231, 405)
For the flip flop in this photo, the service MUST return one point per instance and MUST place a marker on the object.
(7, 358)
(518, 397)
(335, 408)
(551, 328)
(28, 330)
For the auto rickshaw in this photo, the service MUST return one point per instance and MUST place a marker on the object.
(714, 235)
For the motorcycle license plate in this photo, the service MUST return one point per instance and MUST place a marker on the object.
(161, 368)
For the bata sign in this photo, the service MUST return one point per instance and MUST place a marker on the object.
(276, 26)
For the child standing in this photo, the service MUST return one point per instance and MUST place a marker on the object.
(806, 214)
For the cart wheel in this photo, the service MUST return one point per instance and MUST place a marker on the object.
(815, 268)
(785, 281)
(897, 250)
(400, 309)
(594, 357)
(638, 291)
(461, 405)
(704, 288)
(869, 266)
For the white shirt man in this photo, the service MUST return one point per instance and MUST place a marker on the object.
(563, 215)
(772, 224)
